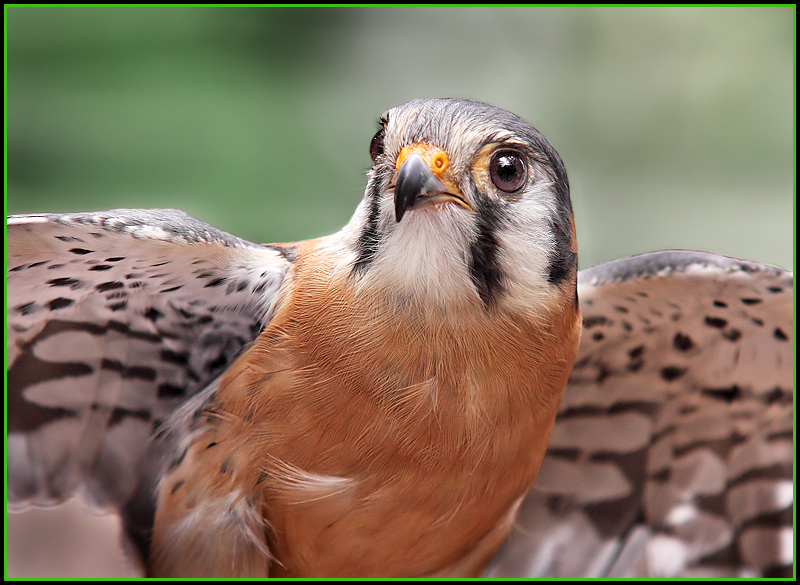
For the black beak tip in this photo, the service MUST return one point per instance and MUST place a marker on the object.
(413, 179)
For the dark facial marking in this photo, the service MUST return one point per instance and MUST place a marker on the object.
(562, 261)
(369, 241)
(484, 269)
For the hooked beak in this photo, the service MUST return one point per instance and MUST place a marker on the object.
(416, 185)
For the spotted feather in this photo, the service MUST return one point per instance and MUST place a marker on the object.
(114, 319)
(672, 452)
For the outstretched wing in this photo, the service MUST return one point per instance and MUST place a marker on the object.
(672, 452)
(113, 320)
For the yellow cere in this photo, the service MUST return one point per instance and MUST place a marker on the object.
(434, 157)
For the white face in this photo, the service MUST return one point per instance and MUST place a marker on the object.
(484, 218)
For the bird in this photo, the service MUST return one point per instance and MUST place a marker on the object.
(432, 391)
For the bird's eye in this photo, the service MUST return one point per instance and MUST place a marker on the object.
(376, 146)
(507, 171)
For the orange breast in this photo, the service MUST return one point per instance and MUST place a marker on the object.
(380, 440)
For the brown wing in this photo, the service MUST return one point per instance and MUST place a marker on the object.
(672, 452)
(113, 320)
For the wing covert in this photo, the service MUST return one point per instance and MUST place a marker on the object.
(113, 320)
(672, 452)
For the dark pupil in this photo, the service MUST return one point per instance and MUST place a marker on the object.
(507, 172)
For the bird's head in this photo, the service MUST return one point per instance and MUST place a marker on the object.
(465, 203)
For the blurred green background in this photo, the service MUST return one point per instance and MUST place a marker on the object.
(676, 124)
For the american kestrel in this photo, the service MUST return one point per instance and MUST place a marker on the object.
(378, 402)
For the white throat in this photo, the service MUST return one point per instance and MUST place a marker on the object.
(425, 258)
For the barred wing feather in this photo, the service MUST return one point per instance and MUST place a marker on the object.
(672, 452)
(113, 320)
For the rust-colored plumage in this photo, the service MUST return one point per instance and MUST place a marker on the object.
(375, 440)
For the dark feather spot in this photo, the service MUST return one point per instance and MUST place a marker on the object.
(721, 304)
(216, 364)
(777, 394)
(26, 308)
(215, 282)
(671, 373)
(725, 394)
(173, 357)
(114, 259)
(101, 267)
(70, 282)
(621, 309)
(118, 306)
(598, 336)
(167, 390)
(636, 351)
(716, 322)
(59, 303)
(757, 321)
(682, 342)
(751, 301)
(173, 289)
(80, 251)
(589, 322)
(774, 289)
(780, 335)
(212, 444)
(732, 334)
(177, 486)
(106, 286)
